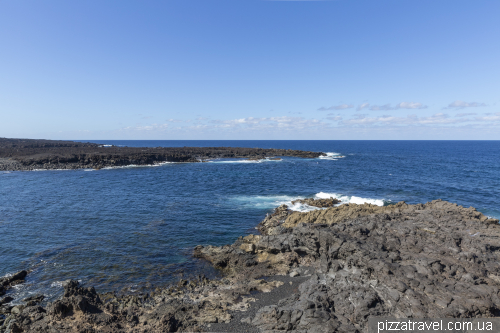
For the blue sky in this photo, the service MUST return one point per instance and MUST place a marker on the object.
(241, 69)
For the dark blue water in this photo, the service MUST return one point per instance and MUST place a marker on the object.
(135, 227)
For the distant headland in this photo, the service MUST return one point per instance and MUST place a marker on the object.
(31, 154)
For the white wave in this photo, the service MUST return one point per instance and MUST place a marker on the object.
(20, 286)
(136, 166)
(238, 161)
(264, 201)
(57, 284)
(497, 217)
(349, 199)
(113, 167)
(60, 284)
(331, 156)
(273, 201)
(51, 290)
(303, 208)
(344, 199)
(244, 161)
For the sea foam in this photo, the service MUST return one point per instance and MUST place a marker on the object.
(243, 161)
(331, 156)
(273, 201)
(138, 166)
(349, 199)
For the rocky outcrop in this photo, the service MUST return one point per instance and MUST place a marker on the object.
(350, 263)
(26, 154)
(320, 203)
(10, 281)
(405, 261)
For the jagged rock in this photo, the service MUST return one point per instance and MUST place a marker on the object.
(320, 203)
(34, 300)
(75, 299)
(272, 224)
(10, 281)
(6, 283)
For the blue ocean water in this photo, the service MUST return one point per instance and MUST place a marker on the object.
(135, 227)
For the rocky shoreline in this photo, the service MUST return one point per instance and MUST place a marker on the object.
(29, 154)
(327, 270)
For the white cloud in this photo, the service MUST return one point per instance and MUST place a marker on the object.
(402, 105)
(410, 105)
(461, 104)
(283, 123)
(250, 126)
(299, 127)
(490, 118)
(153, 127)
(362, 106)
(385, 107)
(437, 119)
(336, 118)
(337, 107)
(465, 114)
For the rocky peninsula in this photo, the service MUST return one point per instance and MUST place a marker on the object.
(29, 154)
(327, 270)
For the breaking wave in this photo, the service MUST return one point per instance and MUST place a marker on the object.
(331, 156)
(273, 201)
(239, 161)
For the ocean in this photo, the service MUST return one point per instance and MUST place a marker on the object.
(132, 229)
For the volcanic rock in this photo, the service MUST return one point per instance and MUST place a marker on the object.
(8, 282)
(34, 300)
(320, 203)
(405, 261)
(28, 154)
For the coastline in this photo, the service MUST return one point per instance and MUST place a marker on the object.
(30, 154)
(411, 261)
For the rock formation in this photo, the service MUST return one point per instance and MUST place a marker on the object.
(10, 281)
(320, 203)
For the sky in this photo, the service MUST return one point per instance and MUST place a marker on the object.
(250, 69)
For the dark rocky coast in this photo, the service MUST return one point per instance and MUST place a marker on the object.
(28, 154)
(326, 270)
